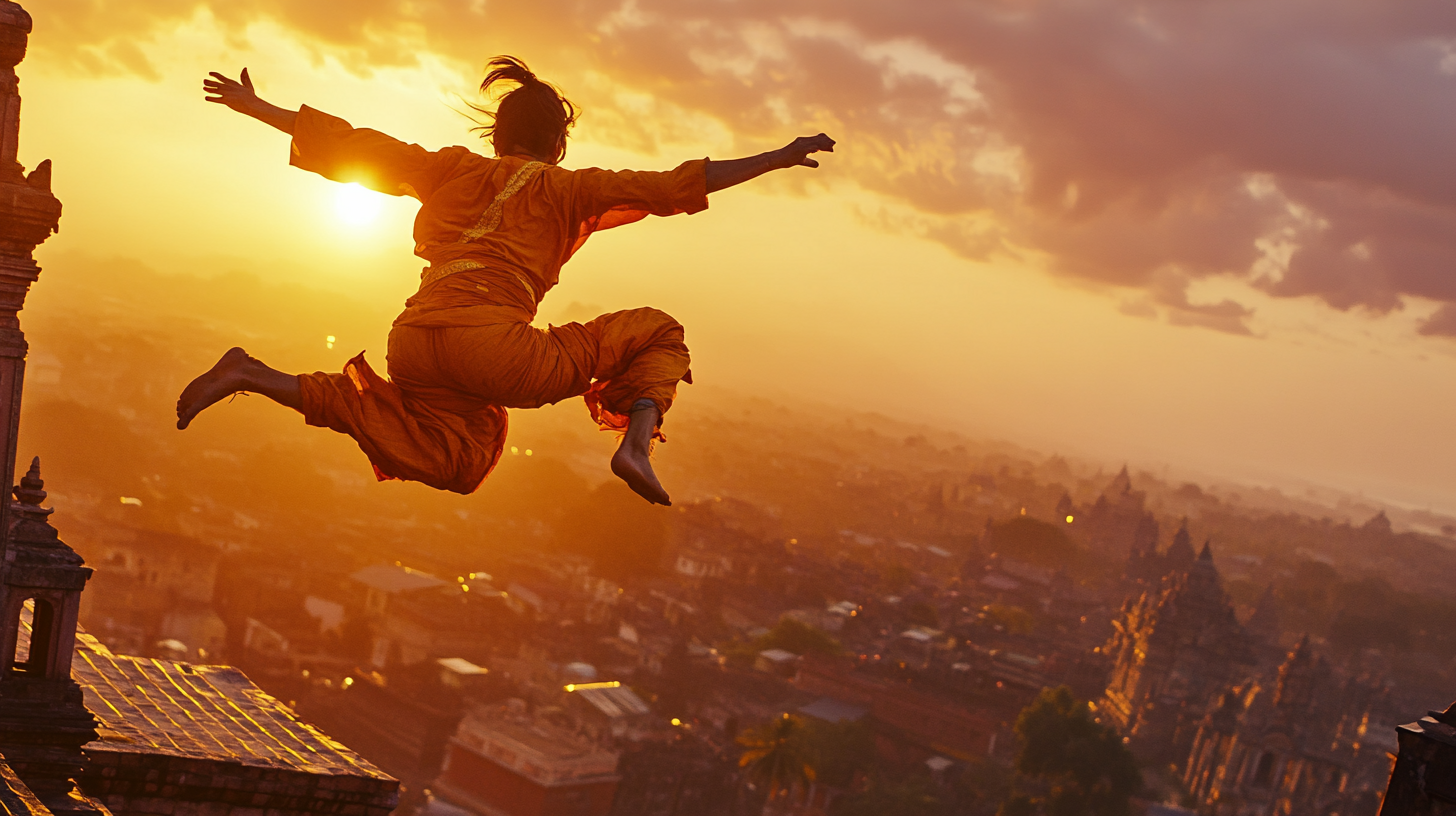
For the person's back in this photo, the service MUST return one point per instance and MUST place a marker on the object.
(509, 214)
(495, 232)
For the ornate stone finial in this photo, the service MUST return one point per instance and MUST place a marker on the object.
(30, 523)
(29, 494)
(31, 490)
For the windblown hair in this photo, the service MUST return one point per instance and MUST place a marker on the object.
(533, 116)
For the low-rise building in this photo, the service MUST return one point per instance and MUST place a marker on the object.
(503, 761)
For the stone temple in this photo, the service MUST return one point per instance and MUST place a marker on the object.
(85, 731)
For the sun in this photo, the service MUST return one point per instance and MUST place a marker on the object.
(357, 206)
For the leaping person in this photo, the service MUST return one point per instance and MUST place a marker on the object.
(495, 233)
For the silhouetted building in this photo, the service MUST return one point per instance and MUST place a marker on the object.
(1146, 565)
(1423, 781)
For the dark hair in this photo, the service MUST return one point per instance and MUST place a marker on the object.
(533, 116)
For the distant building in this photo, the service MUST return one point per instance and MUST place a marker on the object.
(777, 661)
(1145, 564)
(916, 724)
(1118, 522)
(415, 616)
(609, 710)
(154, 586)
(1173, 648)
(383, 583)
(505, 762)
(1290, 742)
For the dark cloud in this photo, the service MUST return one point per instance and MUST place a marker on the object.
(1304, 143)
(1442, 323)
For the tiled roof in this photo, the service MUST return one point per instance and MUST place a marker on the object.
(389, 578)
(15, 798)
(201, 712)
(613, 701)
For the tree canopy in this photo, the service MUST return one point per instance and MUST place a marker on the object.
(1069, 764)
(800, 638)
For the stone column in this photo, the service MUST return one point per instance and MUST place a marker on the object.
(28, 215)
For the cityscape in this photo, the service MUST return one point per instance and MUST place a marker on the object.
(900, 594)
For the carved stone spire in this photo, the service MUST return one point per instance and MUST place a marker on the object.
(28, 215)
(43, 718)
(14, 33)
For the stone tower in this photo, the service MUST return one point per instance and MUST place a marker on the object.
(43, 717)
(43, 721)
(28, 215)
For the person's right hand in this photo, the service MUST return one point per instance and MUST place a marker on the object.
(239, 96)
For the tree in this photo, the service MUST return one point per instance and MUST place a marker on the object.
(1012, 619)
(1070, 765)
(777, 757)
(841, 752)
(799, 638)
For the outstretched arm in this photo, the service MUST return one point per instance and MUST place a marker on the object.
(240, 97)
(722, 174)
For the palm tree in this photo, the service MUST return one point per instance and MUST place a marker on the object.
(777, 758)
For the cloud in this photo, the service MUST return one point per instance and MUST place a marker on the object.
(1302, 143)
(1442, 323)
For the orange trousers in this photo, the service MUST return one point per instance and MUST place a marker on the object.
(440, 418)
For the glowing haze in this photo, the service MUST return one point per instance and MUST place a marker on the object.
(1217, 235)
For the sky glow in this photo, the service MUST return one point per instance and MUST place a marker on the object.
(1113, 244)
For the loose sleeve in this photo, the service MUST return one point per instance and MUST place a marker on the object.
(336, 150)
(610, 198)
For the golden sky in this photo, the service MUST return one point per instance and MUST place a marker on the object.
(1216, 236)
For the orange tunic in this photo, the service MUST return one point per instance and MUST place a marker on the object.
(496, 233)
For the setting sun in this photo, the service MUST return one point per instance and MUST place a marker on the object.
(357, 206)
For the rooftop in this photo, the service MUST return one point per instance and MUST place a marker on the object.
(161, 707)
(391, 578)
(534, 748)
(461, 666)
(613, 700)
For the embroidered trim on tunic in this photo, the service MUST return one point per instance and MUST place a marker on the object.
(489, 221)
(434, 273)
(491, 218)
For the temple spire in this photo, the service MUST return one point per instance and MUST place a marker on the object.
(28, 215)
(43, 718)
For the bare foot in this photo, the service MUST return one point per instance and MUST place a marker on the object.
(221, 380)
(631, 462)
(632, 465)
